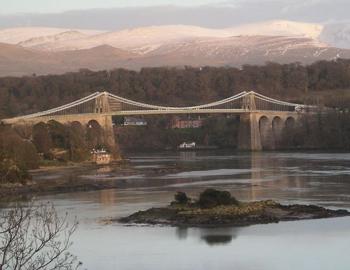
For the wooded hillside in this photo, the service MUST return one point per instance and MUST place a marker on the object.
(323, 82)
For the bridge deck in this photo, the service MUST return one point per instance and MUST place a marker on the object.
(90, 116)
(102, 104)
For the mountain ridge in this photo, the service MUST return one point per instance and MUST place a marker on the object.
(62, 50)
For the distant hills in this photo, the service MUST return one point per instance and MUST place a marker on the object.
(40, 50)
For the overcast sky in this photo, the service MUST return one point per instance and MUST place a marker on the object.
(120, 14)
(42, 6)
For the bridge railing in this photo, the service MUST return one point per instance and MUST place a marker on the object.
(104, 102)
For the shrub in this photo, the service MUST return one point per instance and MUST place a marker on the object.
(10, 172)
(36, 237)
(212, 197)
(181, 197)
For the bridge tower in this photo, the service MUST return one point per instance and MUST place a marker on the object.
(249, 134)
(104, 118)
(262, 119)
(102, 104)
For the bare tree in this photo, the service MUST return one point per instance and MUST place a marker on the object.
(36, 237)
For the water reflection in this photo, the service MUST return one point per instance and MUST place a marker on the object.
(271, 167)
(107, 197)
(104, 169)
(181, 232)
(188, 155)
(219, 236)
(213, 240)
(210, 236)
(294, 177)
(152, 179)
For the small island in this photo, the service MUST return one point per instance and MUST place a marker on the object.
(218, 208)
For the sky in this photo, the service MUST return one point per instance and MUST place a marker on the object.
(122, 14)
(54, 6)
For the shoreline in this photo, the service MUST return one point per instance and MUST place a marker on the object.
(244, 214)
(35, 188)
(40, 187)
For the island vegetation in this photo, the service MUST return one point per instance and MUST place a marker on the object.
(216, 208)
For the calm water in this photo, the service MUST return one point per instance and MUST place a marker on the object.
(152, 179)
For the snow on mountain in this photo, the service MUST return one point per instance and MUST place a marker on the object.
(232, 51)
(16, 35)
(52, 50)
(20, 34)
(38, 41)
(142, 39)
(145, 39)
(235, 47)
(280, 28)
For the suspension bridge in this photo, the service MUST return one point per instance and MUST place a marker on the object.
(262, 118)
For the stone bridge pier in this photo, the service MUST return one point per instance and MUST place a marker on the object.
(263, 130)
(105, 122)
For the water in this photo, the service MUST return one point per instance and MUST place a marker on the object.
(152, 179)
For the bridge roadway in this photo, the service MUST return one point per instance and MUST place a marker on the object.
(86, 117)
(262, 119)
(258, 130)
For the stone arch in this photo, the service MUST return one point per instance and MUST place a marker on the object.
(277, 128)
(25, 131)
(41, 138)
(58, 132)
(93, 124)
(290, 122)
(40, 125)
(78, 144)
(78, 128)
(76, 124)
(263, 121)
(265, 130)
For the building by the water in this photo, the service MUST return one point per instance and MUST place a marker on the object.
(101, 157)
(133, 121)
(186, 123)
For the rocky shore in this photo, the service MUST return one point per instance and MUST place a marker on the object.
(227, 213)
(69, 181)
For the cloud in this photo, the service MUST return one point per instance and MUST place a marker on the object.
(218, 15)
(120, 18)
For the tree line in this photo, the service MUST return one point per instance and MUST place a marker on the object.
(324, 82)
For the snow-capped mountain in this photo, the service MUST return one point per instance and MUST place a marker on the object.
(140, 39)
(240, 50)
(280, 28)
(63, 36)
(239, 46)
(146, 39)
(53, 50)
(21, 34)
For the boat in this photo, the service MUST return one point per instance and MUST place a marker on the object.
(185, 145)
(194, 147)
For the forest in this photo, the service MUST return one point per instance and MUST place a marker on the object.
(325, 83)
